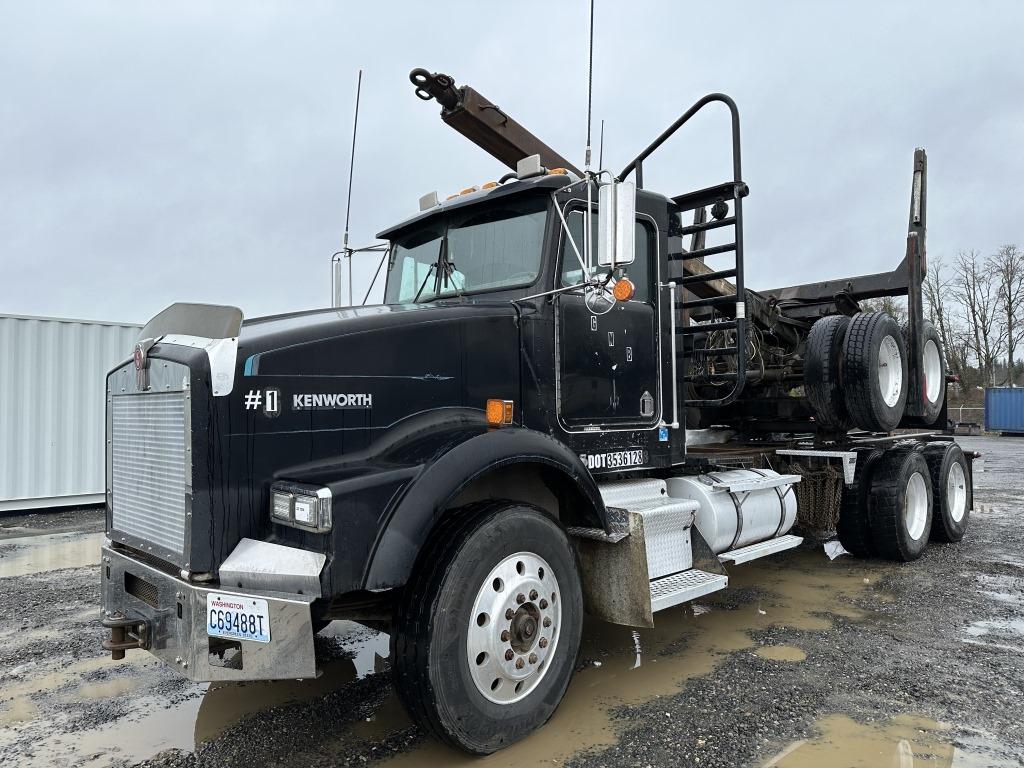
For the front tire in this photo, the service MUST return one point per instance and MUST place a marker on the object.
(487, 632)
(901, 504)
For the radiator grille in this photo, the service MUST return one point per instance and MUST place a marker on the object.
(149, 467)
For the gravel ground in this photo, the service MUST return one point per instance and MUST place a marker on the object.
(47, 521)
(924, 656)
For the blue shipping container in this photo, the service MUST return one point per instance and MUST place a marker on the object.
(1004, 409)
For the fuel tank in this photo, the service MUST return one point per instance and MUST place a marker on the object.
(734, 512)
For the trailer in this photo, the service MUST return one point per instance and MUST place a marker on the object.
(568, 402)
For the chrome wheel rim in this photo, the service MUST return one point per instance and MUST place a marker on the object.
(932, 371)
(956, 492)
(514, 628)
(915, 510)
(890, 371)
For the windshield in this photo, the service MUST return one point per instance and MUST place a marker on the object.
(482, 249)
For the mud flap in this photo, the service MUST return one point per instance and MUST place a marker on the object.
(616, 585)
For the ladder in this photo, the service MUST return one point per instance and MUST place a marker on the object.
(727, 310)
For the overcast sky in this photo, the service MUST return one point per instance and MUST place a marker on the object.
(193, 151)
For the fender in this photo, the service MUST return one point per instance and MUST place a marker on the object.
(424, 501)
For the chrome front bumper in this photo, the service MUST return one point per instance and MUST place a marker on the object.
(170, 614)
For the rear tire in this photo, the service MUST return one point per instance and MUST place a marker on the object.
(875, 372)
(454, 636)
(952, 496)
(901, 504)
(822, 371)
(854, 528)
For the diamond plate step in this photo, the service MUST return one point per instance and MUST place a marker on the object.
(681, 587)
(618, 523)
(761, 549)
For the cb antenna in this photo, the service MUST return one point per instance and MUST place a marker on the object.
(346, 251)
(587, 237)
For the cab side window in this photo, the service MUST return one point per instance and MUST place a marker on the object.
(641, 271)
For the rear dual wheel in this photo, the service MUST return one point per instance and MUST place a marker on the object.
(854, 527)
(951, 484)
(488, 630)
(900, 508)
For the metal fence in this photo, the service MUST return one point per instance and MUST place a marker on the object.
(52, 381)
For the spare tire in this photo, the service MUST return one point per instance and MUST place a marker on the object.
(875, 372)
(933, 374)
(822, 371)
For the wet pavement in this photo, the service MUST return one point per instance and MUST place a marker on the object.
(803, 661)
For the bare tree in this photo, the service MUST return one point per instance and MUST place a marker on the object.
(1008, 268)
(891, 305)
(939, 303)
(975, 288)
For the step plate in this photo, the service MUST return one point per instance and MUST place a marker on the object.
(681, 587)
(761, 549)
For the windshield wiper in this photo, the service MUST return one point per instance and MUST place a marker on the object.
(431, 271)
(416, 298)
(443, 271)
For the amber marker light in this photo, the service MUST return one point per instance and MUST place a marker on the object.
(559, 171)
(624, 289)
(499, 412)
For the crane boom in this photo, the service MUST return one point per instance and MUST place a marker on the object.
(483, 122)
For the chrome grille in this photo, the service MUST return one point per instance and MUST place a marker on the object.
(150, 468)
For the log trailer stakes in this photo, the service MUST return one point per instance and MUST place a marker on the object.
(568, 402)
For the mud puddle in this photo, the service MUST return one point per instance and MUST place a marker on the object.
(24, 555)
(38, 703)
(623, 666)
(906, 741)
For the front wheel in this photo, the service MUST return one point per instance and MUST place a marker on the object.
(488, 630)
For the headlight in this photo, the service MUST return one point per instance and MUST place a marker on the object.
(303, 506)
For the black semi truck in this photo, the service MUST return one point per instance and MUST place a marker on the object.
(567, 403)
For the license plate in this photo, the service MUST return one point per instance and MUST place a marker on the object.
(237, 617)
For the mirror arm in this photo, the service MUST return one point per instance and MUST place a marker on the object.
(556, 291)
(568, 234)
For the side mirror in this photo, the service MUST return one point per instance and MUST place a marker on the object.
(616, 219)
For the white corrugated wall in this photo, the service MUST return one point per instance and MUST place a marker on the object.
(52, 381)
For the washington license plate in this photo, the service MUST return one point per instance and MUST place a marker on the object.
(237, 617)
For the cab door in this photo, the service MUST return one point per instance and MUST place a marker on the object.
(607, 357)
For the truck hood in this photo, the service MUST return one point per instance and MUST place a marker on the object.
(266, 337)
